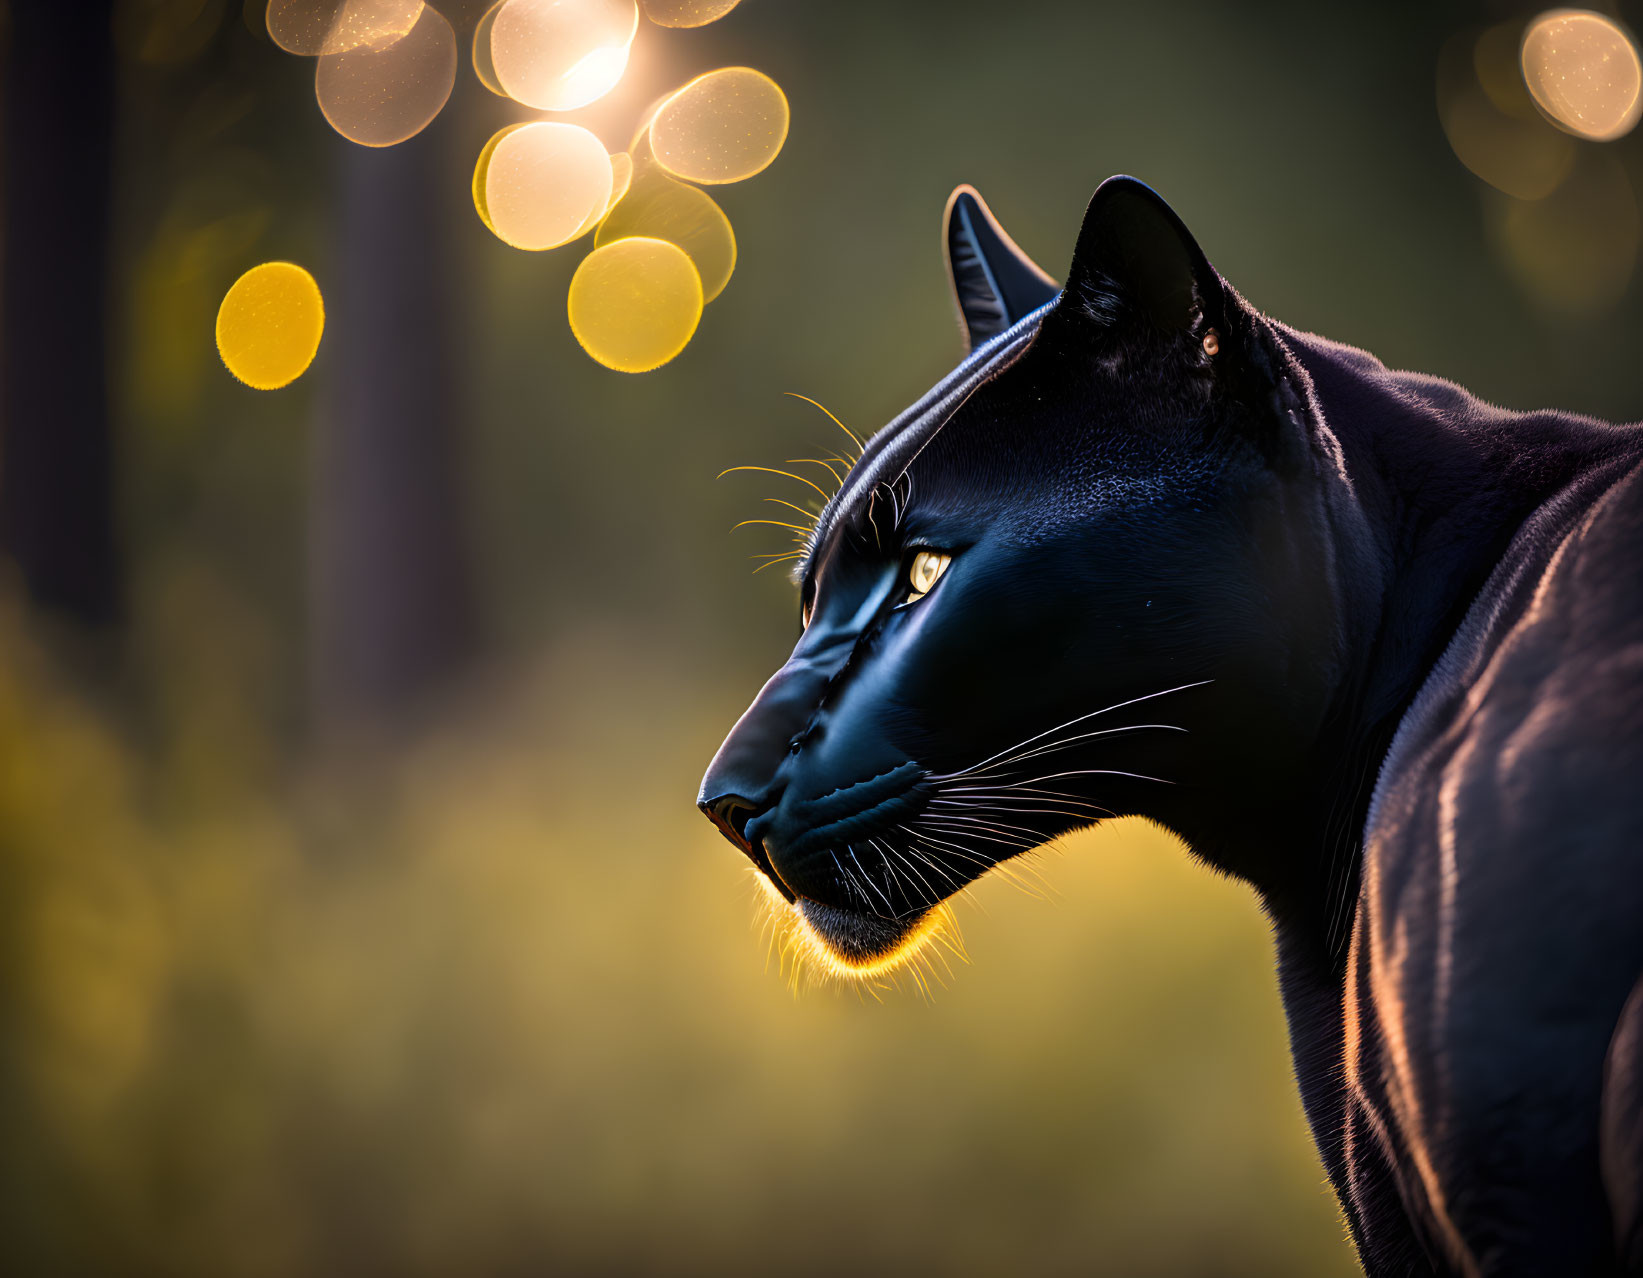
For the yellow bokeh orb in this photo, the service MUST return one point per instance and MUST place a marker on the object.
(721, 127)
(656, 207)
(687, 13)
(1583, 71)
(560, 55)
(542, 184)
(621, 177)
(635, 304)
(482, 168)
(484, 64)
(269, 325)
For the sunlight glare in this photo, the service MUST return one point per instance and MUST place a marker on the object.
(269, 325)
(724, 126)
(560, 55)
(635, 304)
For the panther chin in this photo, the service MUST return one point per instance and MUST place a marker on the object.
(830, 942)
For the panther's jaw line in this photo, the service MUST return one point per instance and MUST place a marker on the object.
(829, 942)
(856, 940)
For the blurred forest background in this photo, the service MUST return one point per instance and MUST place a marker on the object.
(357, 917)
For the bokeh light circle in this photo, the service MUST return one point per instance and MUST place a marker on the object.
(482, 168)
(560, 55)
(1493, 127)
(269, 325)
(721, 127)
(1583, 71)
(380, 96)
(543, 184)
(1574, 252)
(657, 207)
(687, 13)
(635, 304)
(621, 178)
(484, 65)
(313, 27)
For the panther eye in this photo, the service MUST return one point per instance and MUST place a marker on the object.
(925, 571)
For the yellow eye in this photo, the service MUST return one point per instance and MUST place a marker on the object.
(926, 570)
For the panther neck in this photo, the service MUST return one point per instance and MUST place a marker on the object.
(1432, 486)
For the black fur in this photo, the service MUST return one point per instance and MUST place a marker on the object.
(1361, 639)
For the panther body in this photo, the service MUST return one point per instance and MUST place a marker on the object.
(1359, 638)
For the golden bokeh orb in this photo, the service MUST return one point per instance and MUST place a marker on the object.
(313, 27)
(561, 55)
(656, 207)
(687, 13)
(484, 64)
(724, 126)
(380, 95)
(635, 304)
(542, 184)
(482, 169)
(1583, 71)
(1489, 120)
(621, 177)
(269, 325)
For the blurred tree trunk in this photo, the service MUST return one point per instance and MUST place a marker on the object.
(56, 465)
(394, 606)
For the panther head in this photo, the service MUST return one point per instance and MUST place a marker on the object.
(1088, 574)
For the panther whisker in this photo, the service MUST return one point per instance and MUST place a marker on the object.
(1080, 719)
(815, 461)
(934, 867)
(844, 874)
(786, 474)
(1027, 807)
(870, 883)
(1067, 743)
(774, 523)
(1091, 817)
(1004, 840)
(979, 858)
(983, 798)
(997, 865)
(999, 827)
(1011, 790)
(931, 895)
(1104, 772)
(892, 881)
(860, 447)
(811, 515)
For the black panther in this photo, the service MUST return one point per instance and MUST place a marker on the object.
(1361, 639)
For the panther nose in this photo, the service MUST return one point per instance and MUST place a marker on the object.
(731, 813)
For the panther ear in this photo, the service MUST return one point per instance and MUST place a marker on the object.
(994, 282)
(1136, 258)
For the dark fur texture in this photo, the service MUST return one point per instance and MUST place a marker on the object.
(1361, 639)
